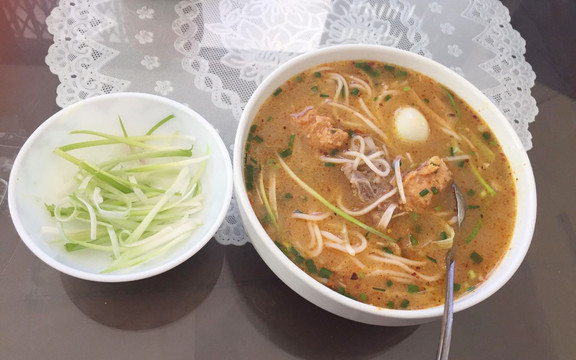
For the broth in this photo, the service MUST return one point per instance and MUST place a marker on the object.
(349, 168)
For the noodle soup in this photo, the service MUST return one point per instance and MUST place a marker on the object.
(349, 168)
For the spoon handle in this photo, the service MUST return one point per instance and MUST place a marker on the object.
(446, 335)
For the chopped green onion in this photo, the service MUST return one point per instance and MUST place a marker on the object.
(329, 164)
(424, 192)
(412, 288)
(404, 304)
(379, 289)
(155, 127)
(461, 163)
(324, 95)
(311, 266)
(363, 297)
(443, 235)
(480, 179)
(471, 192)
(324, 273)
(486, 135)
(367, 68)
(288, 196)
(314, 89)
(387, 97)
(413, 240)
(286, 152)
(389, 67)
(400, 74)
(334, 152)
(277, 92)
(474, 231)
(431, 259)
(434, 190)
(355, 92)
(456, 287)
(299, 79)
(258, 139)
(291, 141)
(391, 304)
(317, 74)
(453, 101)
(389, 283)
(387, 250)
(407, 88)
(330, 206)
(426, 100)
(472, 207)
(476, 257)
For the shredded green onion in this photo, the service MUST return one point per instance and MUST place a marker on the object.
(326, 203)
(134, 212)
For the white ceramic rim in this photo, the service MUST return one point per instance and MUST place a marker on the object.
(137, 275)
(319, 294)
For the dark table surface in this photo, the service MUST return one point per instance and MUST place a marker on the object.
(225, 303)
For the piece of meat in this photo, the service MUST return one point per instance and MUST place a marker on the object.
(366, 184)
(419, 183)
(321, 132)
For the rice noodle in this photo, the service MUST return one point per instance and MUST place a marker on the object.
(363, 243)
(366, 110)
(328, 235)
(405, 267)
(387, 216)
(363, 83)
(318, 216)
(367, 121)
(446, 243)
(387, 92)
(272, 195)
(316, 238)
(334, 160)
(368, 162)
(370, 207)
(319, 242)
(457, 158)
(450, 132)
(404, 260)
(422, 105)
(347, 245)
(344, 245)
(358, 262)
(342, 83)
(399, 180)
(397, 274)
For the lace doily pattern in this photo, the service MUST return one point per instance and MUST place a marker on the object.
(515, 76)
(224, 49)
(76, 57)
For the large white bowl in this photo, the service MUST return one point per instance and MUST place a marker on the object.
(319, 294)
(39, 176)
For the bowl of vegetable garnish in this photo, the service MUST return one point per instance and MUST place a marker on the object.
(344, 162)
(120, 187)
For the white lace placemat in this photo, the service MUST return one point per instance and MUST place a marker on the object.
(211, 55)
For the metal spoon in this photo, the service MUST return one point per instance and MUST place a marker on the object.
(445, 337)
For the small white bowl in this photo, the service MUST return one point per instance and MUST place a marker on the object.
(39, 176)
(321, 295)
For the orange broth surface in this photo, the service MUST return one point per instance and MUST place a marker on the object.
(405, 269)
